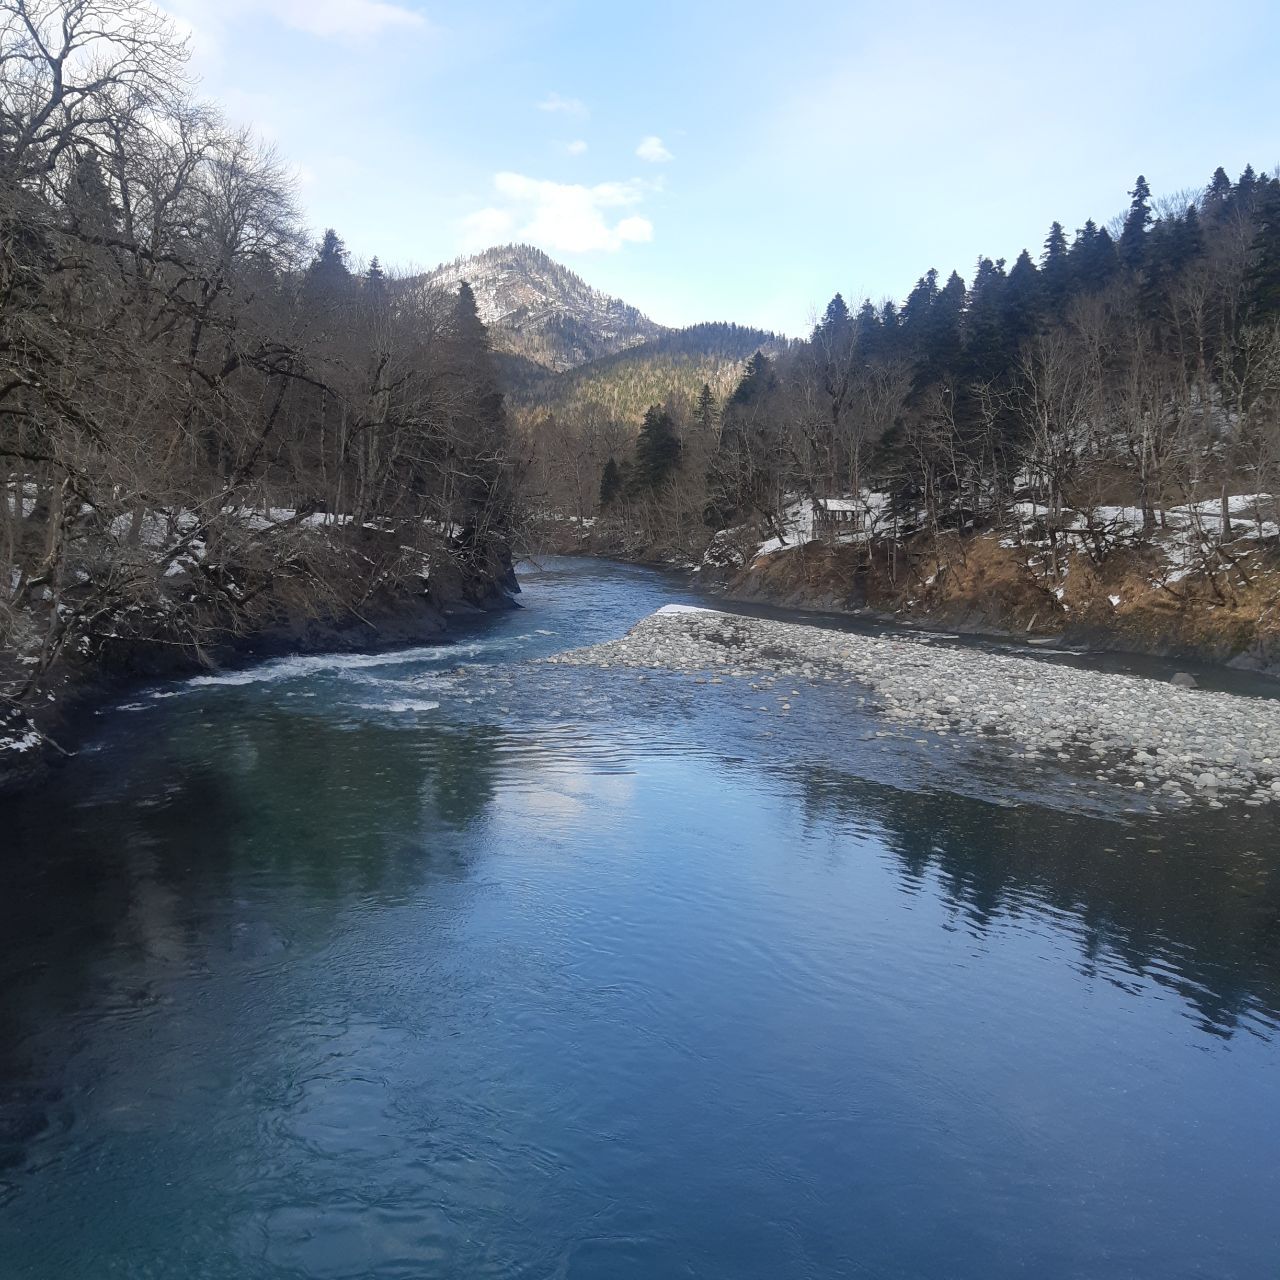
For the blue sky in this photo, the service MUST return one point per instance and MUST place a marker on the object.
(707, 160)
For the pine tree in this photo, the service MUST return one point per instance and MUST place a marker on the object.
(757, 381)
(1137, 220)
(328, 276)
(916, 309)
(706, 412)
(1218, 192)
(657, 451)
(836, 326)
(1263, 283)
(611, 482)
(375, 277)
(984, 344)
(1055, 246)
(866, 329)
(468, 328)
(1246, 190)
(943, 345)
(481, 422)
(1055, 271)
(1022, 303)
(1093, 259)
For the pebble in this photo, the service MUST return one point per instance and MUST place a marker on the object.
(1142, 733)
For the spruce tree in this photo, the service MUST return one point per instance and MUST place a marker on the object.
(1263, 283)
(836, 326)
(328, 277)
(943, 345)
(920, 300)
(1137, 220)
(1218, 192)
(610, 484)
(657, 451)
(1055, 246)
(1022, 303)
(866, 329)
(481, 420)
(1093, 260)
(705, 413)
(1246, 190)
(757, 381)
(1055, 271)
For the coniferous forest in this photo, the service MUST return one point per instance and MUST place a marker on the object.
(1116, 391)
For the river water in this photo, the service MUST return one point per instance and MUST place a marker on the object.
(448, 963)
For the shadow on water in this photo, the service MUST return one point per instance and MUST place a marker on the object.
(1192, 904)
(296, 820)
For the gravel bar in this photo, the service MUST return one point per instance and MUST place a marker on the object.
(1182, 744)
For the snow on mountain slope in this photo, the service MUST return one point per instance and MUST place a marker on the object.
(536, 308)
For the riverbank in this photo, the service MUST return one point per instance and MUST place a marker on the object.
(1175, 599)
(1184, 745)
(44, 726)
(981, 585)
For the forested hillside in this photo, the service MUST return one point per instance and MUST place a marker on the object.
(206, 421)
(1118, 390)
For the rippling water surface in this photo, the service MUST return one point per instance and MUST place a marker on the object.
(449, 963)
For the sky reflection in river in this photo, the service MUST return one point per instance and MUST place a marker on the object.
(376, 967)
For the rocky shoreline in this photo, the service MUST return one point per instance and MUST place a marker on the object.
(35, 735)
(1184, 745)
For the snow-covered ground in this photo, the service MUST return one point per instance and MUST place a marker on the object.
(1185, 535)
(799, 523)
(1142, 734)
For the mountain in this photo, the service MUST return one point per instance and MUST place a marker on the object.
(620, 387)
(540, 311)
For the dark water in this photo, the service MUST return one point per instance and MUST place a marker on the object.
(371, 967)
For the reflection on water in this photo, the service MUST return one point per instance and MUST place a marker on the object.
(449, 963)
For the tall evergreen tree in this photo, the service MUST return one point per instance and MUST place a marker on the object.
(866, 329)
(915, 311)
(657, 450)
(1093, 258)
(1055, 270)
(328, 277)
(757, 381)
(836, 326)
(1137, 220)
(1218, 192)
(983, 319)
(706, 412)
(611, 483)
(1246, 190)
(1023, 302)
(482, 422)
(1263, 283)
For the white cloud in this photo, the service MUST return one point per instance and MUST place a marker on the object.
(329, 19)
(576, 148)
(567, 106)
(487, 227)
(653, 150)
(562, 217)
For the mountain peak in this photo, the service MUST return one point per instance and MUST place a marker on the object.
(537, 308)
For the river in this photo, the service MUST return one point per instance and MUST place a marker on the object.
(448, 963)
